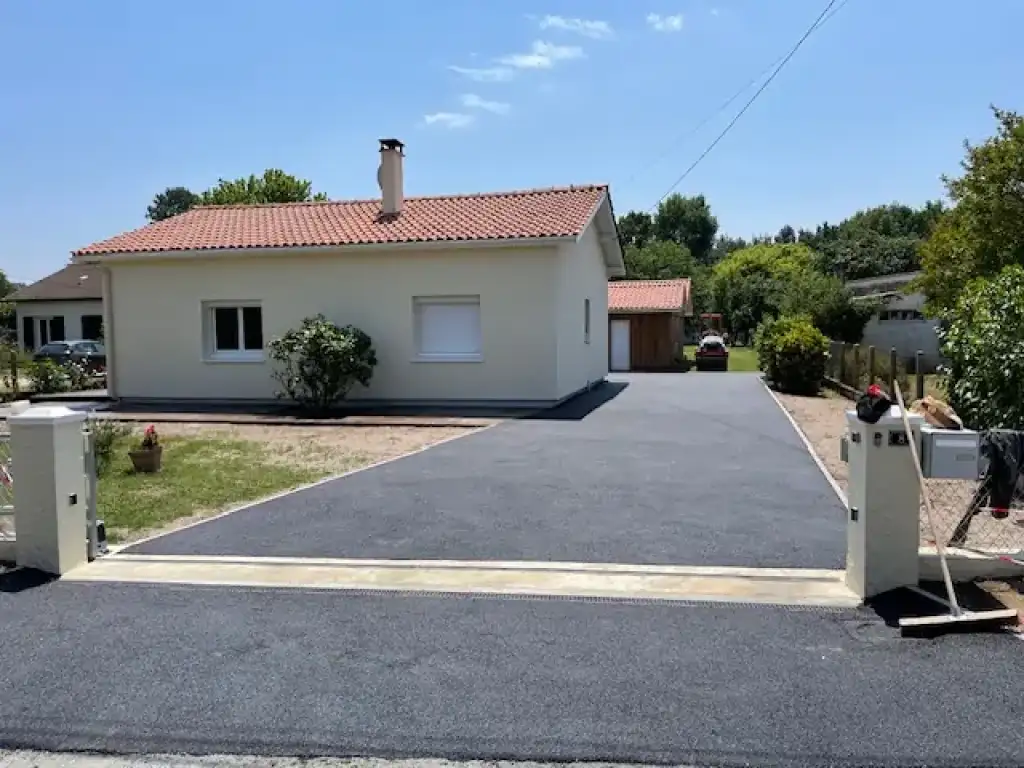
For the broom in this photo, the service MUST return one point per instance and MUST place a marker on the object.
(956, 615)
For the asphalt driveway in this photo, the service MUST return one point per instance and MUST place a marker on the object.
(131, 668)
(692, 469)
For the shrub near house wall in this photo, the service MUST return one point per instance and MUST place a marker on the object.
(792, 353)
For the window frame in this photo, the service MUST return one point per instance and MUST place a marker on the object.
(211, 354)
(418, 304)
(586, 321)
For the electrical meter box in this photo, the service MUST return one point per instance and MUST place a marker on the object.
(951, 454)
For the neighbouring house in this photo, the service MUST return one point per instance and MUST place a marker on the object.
(480, 298)
(646, 320)
(65, 305)
(900, 322)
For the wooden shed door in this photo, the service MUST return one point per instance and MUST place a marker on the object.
(618, 344)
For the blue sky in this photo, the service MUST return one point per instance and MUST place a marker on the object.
(107, 102)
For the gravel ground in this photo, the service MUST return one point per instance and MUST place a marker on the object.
(327, 449)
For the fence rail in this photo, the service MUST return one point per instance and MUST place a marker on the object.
(856, 367)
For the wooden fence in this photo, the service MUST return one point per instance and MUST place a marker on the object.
(852, 368)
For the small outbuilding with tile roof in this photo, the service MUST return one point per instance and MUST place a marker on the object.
(646, 323)
(494, 298)
(65, 305)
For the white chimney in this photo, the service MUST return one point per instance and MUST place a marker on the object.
(389, 176)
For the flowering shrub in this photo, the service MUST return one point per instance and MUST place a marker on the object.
(150, 440)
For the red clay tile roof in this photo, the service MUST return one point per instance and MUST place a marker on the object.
(524, 214)
(649, 296)
(73, 283)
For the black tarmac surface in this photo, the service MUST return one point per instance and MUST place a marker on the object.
(693, 469)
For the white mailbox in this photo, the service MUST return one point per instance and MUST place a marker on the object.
(950, 454)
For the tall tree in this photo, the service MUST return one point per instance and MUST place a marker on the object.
(689, 222)
(274, 186)
(751, 284)
(786, 235)
(983, 233)
(171, 202)
(724, 245)
(636, 228)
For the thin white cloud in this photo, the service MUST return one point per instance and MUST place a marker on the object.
(715, 12)
(542, 55)
(592, 28)
(485, 74)
(661, 23)
(449, 119)
(472, 101)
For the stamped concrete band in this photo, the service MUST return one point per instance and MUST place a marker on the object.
(774, 586)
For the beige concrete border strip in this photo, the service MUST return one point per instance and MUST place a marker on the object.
(702, 584)
(281, 494)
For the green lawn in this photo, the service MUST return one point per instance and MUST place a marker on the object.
(740, 358)
(198, 476)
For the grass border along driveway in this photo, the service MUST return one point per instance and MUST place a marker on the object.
(208, 469)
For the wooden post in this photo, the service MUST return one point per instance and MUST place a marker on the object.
(919, 374)
(871, 365)
(855, 383)
(892, 370)
(842, 362)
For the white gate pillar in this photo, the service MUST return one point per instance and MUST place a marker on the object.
(48, 452)
(883, 533)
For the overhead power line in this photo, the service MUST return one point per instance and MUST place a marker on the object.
(829, 11)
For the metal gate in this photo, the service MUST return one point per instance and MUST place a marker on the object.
(95, 535)
(6, 489)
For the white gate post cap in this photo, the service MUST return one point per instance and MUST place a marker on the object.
(46, 414)
(890, 419)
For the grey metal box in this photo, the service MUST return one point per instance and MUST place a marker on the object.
(951, 454)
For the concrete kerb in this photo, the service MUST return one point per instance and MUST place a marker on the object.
(249, 504)
(808, 445)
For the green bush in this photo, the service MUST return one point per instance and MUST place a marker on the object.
(46, 377)
(106, 433)
(792, 353)
(983, 339)
(320, 362)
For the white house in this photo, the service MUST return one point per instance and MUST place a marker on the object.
(65, 305)
(482, 298)
(900, 322)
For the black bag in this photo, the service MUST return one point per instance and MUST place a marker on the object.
(873, 404)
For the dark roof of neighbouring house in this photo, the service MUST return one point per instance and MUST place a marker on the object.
(520, 215)
(76, 282)
(649, 296)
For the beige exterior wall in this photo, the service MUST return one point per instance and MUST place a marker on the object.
(582, 275)
(71, 311)
(158, 339)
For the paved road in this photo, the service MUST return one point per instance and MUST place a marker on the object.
(157, 669)
(689, 469)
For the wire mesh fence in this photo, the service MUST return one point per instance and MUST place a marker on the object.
(986, 516)
(6, 489)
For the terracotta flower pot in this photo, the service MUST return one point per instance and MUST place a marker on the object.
(147, 459)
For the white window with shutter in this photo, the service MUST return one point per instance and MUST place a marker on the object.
(233, 331)
(447, 329)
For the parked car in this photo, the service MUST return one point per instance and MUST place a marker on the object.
(91, 355)
(712, 354)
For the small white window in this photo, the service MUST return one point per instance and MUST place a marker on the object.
(586, 321)
(234, 331)
(447, 328)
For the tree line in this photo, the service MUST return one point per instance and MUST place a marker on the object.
(794, 270)
(273, 186)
